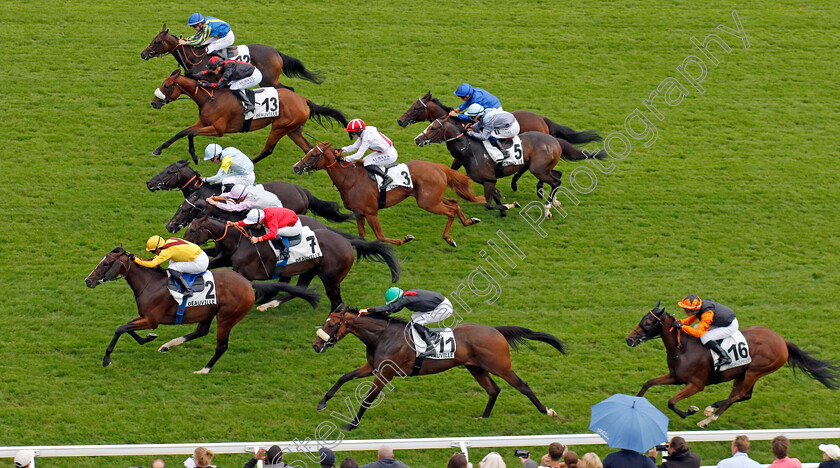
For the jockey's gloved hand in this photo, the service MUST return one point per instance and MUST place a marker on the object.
(678, 324)
(131, 256)
(203, 83)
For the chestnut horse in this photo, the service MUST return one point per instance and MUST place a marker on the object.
(360, 194)
(155, 305)
(268, 60)
(690, 363)
(219, 112)
(481, 349)
(428, 109)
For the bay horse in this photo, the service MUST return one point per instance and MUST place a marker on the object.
(481, 349)
(219, 112)
(257, 261)
(193, 60)
(428, 109)
(690, 363)
(155, 306)
(360, 193)
(179, 175)
(539, 153)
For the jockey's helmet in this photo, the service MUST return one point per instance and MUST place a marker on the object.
(464, 89)
(254, 216)
(355, 125)
(392, 294)
(154, 242)
(195, 18)
(215, 61)
(474, 110)
(212, 151)
(238, 191)
(691, 302)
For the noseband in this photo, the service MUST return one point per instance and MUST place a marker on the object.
(335, 338)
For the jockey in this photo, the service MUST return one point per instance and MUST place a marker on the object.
(236, 168)
(370, 138)
(212, 32)
(281, 223)
(239, 76)
(716, 321)
(472, 96)
(428, 307)
(492, 125)
(245, 197)
(183, 256)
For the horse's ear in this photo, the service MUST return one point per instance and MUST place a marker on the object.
(164, 29)
(657, 304)
(176, 72)
(428, 95)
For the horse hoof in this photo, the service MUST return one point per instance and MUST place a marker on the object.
(408, 238)
(516, 205)
(206, 370)
(451, 242)
(163, 349)
(475, 220)
(702, 425)
(262, 308)
(693, 409)
(156, 152)
(106, 361)
(710, 410)
(348, 427)
(150, 337)
(551, 413)
(322, 406)
(502, 213)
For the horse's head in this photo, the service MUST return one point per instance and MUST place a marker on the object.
(114, 265)
(198, 231)
(335, 327)
(440, 130)
(651, 326)
(177, 175)
(319, 157)
(168, 91)
(191, 207)
(418, 111)
(158, 46)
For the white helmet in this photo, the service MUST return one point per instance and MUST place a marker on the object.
(212, 151)
(238, 191)
(474, 110)
(254, 216)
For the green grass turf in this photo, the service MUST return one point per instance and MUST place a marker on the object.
(734, 201)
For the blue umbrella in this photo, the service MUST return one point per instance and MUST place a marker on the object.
(629, 422)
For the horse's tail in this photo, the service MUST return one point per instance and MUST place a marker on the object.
(265, 292)
(566, 133)
(329, 210)
(294, 68)
(462, 185)
(316, 112)
(517, 335)
(826, 372)
(376, 251)
(573, 153)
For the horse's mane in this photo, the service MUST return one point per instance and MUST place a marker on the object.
(118, 249)
(442, 105)
(384, 317)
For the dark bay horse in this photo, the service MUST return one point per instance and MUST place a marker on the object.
(481, 349)
(256, 261)
(193, 60)
(234, 297)
(690, 363)
(428, 109)
(360, 194)
(179, 175)
(219, 112)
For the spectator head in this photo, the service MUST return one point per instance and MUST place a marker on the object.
(741, 444)
(780, 446)
(830, 451)
(202, 457)
(327, 457)
(556, 451)
(25, 459)
(677, 444)
(349, 462)
(273, 455)
(571, 459)
(591, 460)
(492, 460)
(385, 452)
(158, 463)
(457, 460)
(528, 463)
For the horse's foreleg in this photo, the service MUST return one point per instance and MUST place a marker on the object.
(483, 378)
(364, 371)
(202, 329)
(381, 380)
(514, 182)
(373, 220)
(666, 379)
(455, 165)
(360, 225)
(139, 339)
(140, 323)
(686, 392)
(192, 131)
(490, 195)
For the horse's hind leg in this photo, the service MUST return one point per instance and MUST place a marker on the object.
(741, 390)
(139, 339)
(483, 378)
(297, 137)
(303, 282)
(516, 382)
(273, 137)
(140, 323)
(202, 329)
(225, 320)
(364, 371)
(440, 207)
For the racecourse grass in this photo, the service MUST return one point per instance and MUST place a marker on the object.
(735, 200)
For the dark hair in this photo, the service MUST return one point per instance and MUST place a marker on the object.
(555, 450)
(349, 462)
(457, 460)
(571, 459)
(678, 444)
(780, 445)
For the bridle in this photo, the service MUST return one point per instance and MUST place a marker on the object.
(115, 269)
(654, 331)
(335, 338)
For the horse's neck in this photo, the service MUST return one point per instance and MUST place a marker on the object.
(345, 178)
(670, 337)
(466, 156)
(435, 111)
(193, 184)
(138, 277)
(188, 87)
(370, 330)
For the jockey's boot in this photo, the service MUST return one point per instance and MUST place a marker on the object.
(498, 144)
(283, 245)
(724, 356)
(426, 335)
(247, 103)
(186, 290)
(380, 171)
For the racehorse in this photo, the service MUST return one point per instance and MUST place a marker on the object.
(257, 261)
(268, 60)
(481, 349)
(360, 194)
(234, 298)
(179, 175)
(428, 109)
(539, 154)
(690, 363)
(219, 112)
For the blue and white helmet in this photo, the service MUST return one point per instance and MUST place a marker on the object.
(254, 216)
(464, 89)
(195, 18)
(212, 151)
(474, 110)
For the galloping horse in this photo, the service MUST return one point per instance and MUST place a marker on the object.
(481, 349)
(428, 109)
(539, 154)
(268, 60)
(234, 298)
(360, 194)
(257, 261)
(690, 363)
(220, 112)
(179, 175)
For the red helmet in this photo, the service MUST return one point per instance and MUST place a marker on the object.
(215, 61)
(355, 125)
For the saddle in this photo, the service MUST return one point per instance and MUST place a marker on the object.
(386, 167)
(506, 143)
(190, 278)
(281, 244)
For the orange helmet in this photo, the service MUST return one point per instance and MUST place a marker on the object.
(691, 302)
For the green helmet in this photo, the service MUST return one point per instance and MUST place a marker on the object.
(392, 294)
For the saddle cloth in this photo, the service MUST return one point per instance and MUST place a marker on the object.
(399, 173)
(204, 286)
(737, 348)
(445, 348)
(513, 155)
(306, 248)
(266, 103)
(241, 53)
